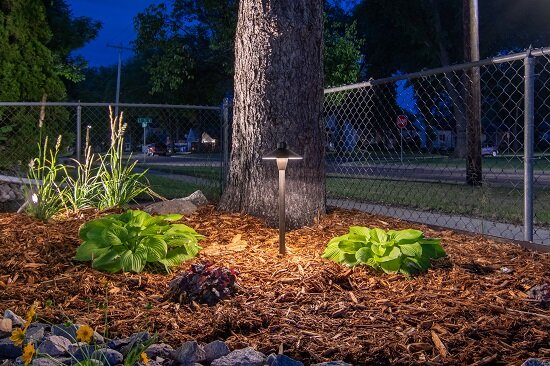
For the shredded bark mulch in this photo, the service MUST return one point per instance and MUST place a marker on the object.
(464, 311)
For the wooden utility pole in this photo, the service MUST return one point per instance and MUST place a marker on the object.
(473, 93)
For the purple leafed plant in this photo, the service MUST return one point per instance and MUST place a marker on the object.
(204, 284)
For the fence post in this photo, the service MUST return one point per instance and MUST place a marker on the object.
(528, 142)
(78, 131)
(225, 133)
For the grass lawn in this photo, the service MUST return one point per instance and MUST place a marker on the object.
(207, 172)
(173, 188)
(497, 203)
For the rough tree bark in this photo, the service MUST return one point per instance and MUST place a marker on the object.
(278, 97)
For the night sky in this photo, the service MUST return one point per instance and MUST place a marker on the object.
(117, 17)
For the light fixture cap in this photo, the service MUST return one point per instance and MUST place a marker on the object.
(282, 152)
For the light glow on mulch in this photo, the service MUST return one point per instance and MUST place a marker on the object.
(464, 310)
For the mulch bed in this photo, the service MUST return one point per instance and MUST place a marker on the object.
(463, 311)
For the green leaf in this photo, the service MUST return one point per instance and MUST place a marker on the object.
(349, 246)
(332, 252)
(176, 229)
(349, 259)
(115, 235)
(361, 231)
(133, 261)
(363, 255)
(378, 249)
(138, 218)
(389, 255)
(175, 257)
(378, 235)
(391, 266)
(432, 250)
(156, 248)
(411, 250)
(89, 250)
(338, 239)
(172, 217)
(108, 261)
(93, 230)
(407, 236)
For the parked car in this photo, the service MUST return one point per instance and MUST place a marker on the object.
(488, 150)
(157, 149)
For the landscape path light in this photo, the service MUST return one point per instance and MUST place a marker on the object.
(282, 154)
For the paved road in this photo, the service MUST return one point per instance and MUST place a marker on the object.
(391, 171)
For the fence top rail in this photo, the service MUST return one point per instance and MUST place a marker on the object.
(445, 69)
(129, 105)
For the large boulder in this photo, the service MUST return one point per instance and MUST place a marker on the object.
(55, 346)
(197, 198)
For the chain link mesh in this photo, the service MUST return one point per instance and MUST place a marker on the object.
(399, 147)
(182, 147)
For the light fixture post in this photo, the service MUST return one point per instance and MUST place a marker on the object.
(282, 154)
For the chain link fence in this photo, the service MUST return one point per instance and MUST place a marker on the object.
(447, 147)
(180, 145)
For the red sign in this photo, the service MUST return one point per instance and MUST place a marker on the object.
(402, 121)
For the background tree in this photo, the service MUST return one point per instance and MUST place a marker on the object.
(278, 97)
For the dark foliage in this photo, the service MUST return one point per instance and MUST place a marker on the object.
(204, 284)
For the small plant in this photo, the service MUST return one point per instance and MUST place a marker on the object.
(126, 242)
(204, 284)
(118, 184)
(45, 195)
(404, 251)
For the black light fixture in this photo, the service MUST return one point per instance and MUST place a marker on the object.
(282, 154)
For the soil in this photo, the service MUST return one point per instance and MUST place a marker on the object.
(465, 310)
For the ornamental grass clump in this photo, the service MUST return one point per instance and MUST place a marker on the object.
(127, 242)
(45, 193)
(403, 251)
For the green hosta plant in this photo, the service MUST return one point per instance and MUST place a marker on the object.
(127, 242)
(404, 251)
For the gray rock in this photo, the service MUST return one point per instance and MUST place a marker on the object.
(80, 351)
(189, 353)
(35, 333)
(109, 357)
(535, 362)
(216, 349)
(175, 206)
(162, 350)
(282, 360)
(332, 363)
(45, 361)
(16, 320)
(133, 340)
(9, 350)
(98, 338)
(6, 325)
(67, 331)
(55, 346)
(241, 357)
(198, 198)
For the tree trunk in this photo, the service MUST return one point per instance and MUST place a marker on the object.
(278, 97)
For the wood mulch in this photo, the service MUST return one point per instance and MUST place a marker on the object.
(464, 311)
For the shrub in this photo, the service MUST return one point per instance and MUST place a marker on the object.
(404, 251)
(204, 284)
(126, 242)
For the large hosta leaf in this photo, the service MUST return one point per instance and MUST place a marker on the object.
(348, 246)
(115, 235)
(156, 248)
(109, 261)
(90, 250)
(133, 261)
(407, 236)
(378, 235)
(411, 250)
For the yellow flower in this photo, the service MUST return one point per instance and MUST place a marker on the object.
(31, 313)
(18, 336)
(144, 359)
(84, 333)
(28, 352)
